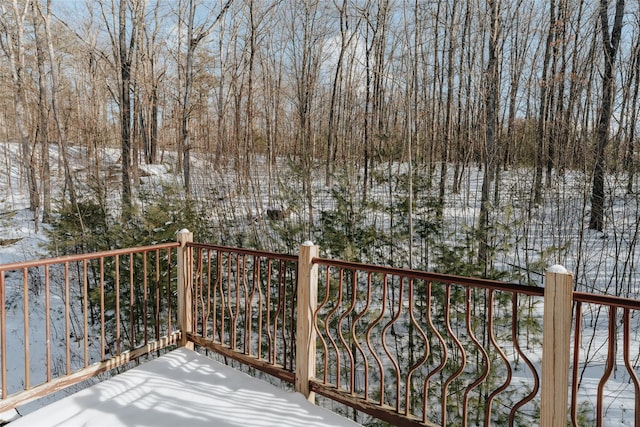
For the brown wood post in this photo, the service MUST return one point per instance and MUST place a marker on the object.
(556, 347)
(185, 286)
(305, 331)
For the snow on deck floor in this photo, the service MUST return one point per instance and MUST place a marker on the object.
(183, 388)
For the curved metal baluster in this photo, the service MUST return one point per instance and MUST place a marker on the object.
(315, 324)
(279, 317)
(326, 327)
(445, 351)
(492, 339)
(485, 360)
(611, 357)
(232, 314)
(198, 287)
(425, 354)
(372, 325)
(516, 345)
(224, 298)
(359, 316)
(463, 363)
(257, 285)
(205, 319)
(632, 373)
(292, 315)
(386, 349)
(217, 289)
(576, 363)
(345, 344)
(270, 337)
(241, 299)
(248, 304)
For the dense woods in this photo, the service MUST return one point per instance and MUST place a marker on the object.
(282, 97)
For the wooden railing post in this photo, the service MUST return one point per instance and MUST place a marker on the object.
(185, 286)
(305, 331)
(556, 346)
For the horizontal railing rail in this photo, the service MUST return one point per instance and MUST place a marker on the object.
(114, 306)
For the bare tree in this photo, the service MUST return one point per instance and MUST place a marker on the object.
(272, 70)
(123, 44)
(492, 82)
(125, 56)
(374, 120)
(545, 94)
(12, 27)
(344, 41)
(306, 32)
(610, 44)
(43, 116)
(464, 92)
(630, 164)
(575, 87)
(447, 139)
(55, 89)
(521, 41)
(195, 34)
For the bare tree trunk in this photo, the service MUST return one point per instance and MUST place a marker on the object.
(306, 63)
(55, 87)
(136, 131)
(337, 78)
(463, 126)
(574, 89)
(12, 43)
(272, 71)
(448, 121)
(491, 107)
(630, 164)
(517, 56)
(543, 117)
(193, 40)
(186, 100)
(222, 140)
(249, 134)
(153, 77)
(412, 127)
(43, 133)
(124, 61)
(380, 120)
(610, 45)
(436, 93)
(561, 128)
(373, 123)
(153, 134)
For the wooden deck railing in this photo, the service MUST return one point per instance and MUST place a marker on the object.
(406, 347)
(82, 315)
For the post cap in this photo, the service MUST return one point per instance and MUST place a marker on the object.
(557, 268)
(184, 230)
(308, 243)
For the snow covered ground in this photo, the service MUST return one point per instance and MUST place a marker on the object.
(183, 388)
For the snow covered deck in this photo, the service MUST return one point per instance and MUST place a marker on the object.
(183, 388)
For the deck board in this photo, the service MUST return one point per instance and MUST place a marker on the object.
(182, 388)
